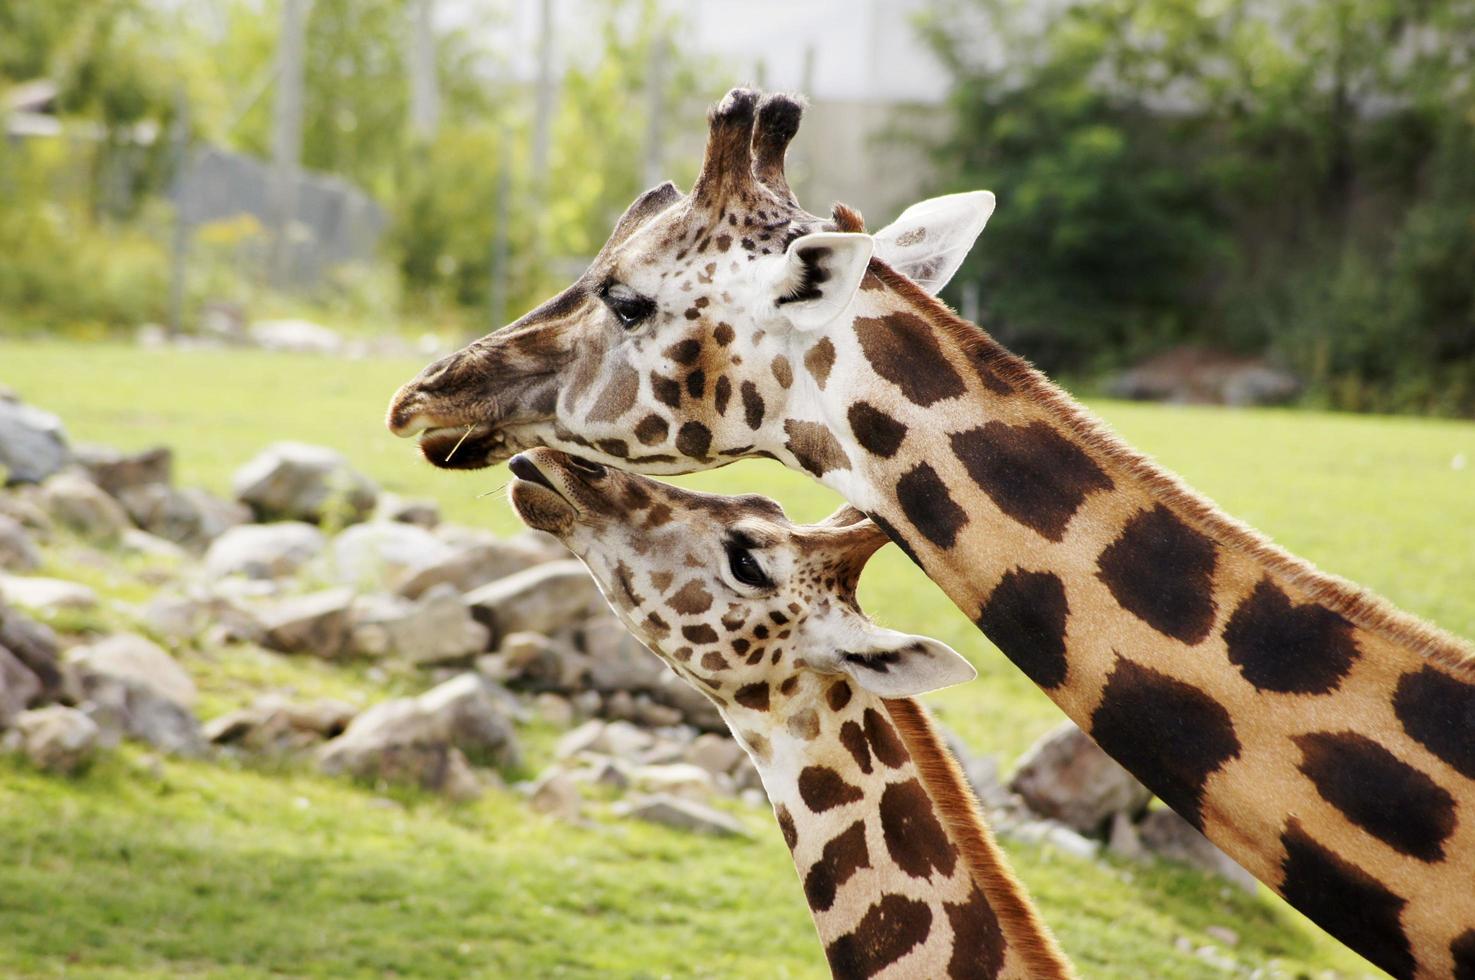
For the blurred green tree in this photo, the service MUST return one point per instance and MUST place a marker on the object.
(1290, 176)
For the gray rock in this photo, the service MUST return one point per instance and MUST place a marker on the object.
(22, 504)
(981, 771)
(718, 754)
(438, 629)
(294, 336)
(295, 481)
(58, 739)
(33, 443)
(557, 794)
(541, 599)
(470, 566)
(146, 545)
(554, 709)
(620, 661)
(317, 623)
(190, 518)
(180, 619)
(421, 513)
(273, 725)
(1065, 776)
(115, 471)
(131, 687)
(672, 811)
(19, 688)
(1123, 840)
(265, 551)
(1056, 835)
(1168, 835)
(138, 661)
(77, 503)
(46, 595)
(532, 661)
(18, 553)
(383, 554)
(681, 779)
(35, 645)
(413, 739)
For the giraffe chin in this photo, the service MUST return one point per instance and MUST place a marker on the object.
(541, 507)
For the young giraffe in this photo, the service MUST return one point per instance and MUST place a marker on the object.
(901, 875)
(1323, 739)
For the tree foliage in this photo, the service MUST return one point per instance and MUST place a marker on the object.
(1290, 176)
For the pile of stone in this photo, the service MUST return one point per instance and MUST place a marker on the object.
(497, 634)
(1068, 793)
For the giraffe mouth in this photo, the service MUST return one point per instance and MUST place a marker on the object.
(469, 447)
(537, 500)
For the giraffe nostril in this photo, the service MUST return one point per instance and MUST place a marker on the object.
(435, 373)
(589, 468)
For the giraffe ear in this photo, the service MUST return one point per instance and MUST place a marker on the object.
(899, 665)
(819, 276)
(930, 240)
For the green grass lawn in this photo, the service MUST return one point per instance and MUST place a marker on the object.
(207, 869)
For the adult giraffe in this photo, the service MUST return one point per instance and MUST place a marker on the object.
(1322, 738)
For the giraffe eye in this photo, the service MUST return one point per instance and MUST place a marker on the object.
(745, 567)
(628, 306)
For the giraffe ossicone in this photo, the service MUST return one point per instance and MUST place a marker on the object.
(902, 877)
(1323, 739)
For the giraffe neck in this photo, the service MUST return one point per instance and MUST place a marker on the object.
(1323, 739)
(902, 877)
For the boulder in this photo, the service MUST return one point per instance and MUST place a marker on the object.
(296, 481)
(469, 566)
(1199, 375)
(35, 645)
(22, 504)
(33, 444)
(554, 709)
(383, 553)
(116, 472)
(146, 545)
(46, 595)
(190, 518)
(681, 779)
(18, 552)
(19, 687)
(1057, 835)
(1065, 776)
(718, 754)
(1164, 833)
(557, 795)
(77, 503)
(294, 336)
(437, 629)
(57, 739)
(131, 687)
(541, 599)
(672, 811)
(620, 662)
(181, 619)
(317, 623)
(426, 740)
(264, 551)
(421, 513)
(273, 725)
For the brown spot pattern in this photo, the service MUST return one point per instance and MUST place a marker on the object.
(913, 835)
(1161, 570)
(877, 432)
(902, 350)
(753, 696)
(822, 788)
(841, 858)
(1031, 472)
(815, 447)
(890, 929)
(819, 359)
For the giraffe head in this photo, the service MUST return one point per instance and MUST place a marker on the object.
(681, 346)
(755, 611)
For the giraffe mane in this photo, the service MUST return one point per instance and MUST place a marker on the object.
(1357, 604)
(959, 810)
